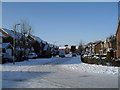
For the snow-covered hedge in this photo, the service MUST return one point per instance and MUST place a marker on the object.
(108, 61)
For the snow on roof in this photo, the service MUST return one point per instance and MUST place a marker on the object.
(51, 45)
(37, 38)
(4, 45)
(11, 33)
(2, 35)
(44, 42)
(68, 47)
(62, 47)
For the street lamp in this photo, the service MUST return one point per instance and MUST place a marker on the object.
(14, 43)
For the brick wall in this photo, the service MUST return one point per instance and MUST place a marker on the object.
(97, 48)
(118, 41)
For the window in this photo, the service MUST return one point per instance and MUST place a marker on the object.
(3, 51)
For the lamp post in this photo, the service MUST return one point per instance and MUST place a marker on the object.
(14, 43)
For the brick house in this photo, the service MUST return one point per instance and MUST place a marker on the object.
(7, 35)
(7, 48)
(118, 41)
(94, 47)
(97, 47)
(21, 46)
(89, 48)
(36, 43)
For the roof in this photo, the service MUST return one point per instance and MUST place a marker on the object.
(97, 42)
(62, 47)
(94, 43)
(55, 46)
(11, 33)
(2, 35)
(68, 47)
(51, 45)
(5, 45)
(44, 42)
(37, 38)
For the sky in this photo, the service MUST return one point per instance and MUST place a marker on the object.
(64, 23)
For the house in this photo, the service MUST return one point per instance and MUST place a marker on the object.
(2, 38)
(66, 48)
(9, 35)
(22, 43)
(118, 41)
(7, 48)
(1, 41)
(97, 47)
(56, 50)
(41, 47)
(37, 43)
(89, 47)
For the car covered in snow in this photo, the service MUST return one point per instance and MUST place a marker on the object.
(74, 54)
(32, 55)
(61, 53)
(84, 54)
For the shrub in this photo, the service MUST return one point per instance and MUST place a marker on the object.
(99, 61)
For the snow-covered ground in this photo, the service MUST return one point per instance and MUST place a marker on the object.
(57, 72)
(77, 65)
(71, 63)
(26, 65)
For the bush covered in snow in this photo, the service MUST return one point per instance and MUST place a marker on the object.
(100, 60)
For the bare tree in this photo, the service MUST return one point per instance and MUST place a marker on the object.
(81, 47)
(23, 41)
(26, 28)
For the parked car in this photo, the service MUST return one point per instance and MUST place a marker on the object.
(61, 53)
(32, 55)
(74, 54)
(84, 54)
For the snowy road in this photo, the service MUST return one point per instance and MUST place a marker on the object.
(54, 73)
